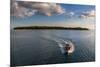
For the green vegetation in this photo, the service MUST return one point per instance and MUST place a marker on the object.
(49, 27)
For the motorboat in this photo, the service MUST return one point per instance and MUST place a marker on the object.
(67, 47)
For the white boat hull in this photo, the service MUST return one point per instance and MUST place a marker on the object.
(63, 46)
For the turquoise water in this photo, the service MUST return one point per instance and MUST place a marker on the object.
(36, 47)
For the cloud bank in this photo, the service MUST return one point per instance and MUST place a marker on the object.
(23, 8)
(88, 14)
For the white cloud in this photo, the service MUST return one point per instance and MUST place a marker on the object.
(69, 14)
(88, 14)
(72, 13)
(24, 8)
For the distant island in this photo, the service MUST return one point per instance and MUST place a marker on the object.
(49, 27)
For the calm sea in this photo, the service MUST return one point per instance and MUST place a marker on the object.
(36, 47)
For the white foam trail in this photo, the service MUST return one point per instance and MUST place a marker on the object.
(61, 44)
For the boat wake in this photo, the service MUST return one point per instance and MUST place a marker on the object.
(66, 46)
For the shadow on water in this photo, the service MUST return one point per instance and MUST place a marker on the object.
(68, 57)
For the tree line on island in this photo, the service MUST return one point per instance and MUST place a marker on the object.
(49, 27)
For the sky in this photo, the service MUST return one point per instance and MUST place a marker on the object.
(52, 14)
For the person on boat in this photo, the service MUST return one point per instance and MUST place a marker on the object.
(67, 47)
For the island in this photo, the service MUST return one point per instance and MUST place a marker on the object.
(48, 27)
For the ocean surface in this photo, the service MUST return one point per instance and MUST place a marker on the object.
(36, 47)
